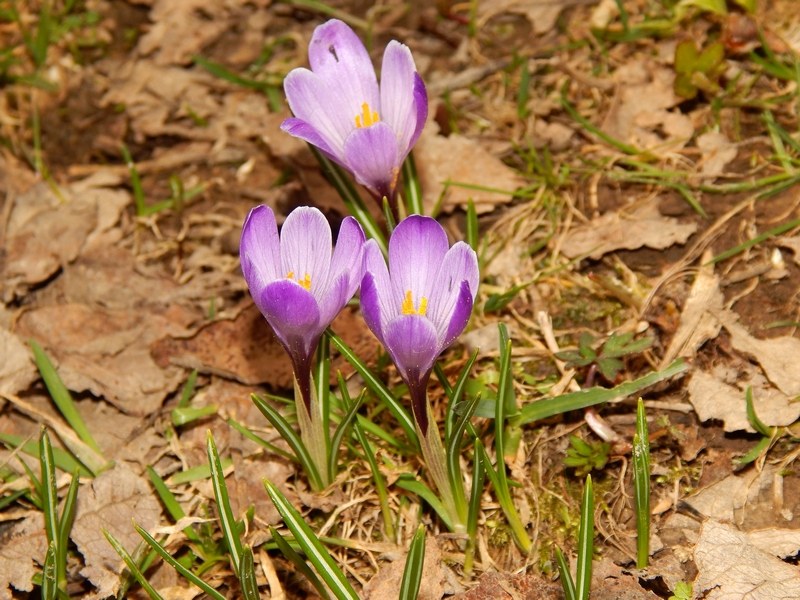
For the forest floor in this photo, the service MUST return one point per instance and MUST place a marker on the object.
(637, 181)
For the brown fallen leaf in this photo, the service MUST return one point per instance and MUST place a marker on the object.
(777, 356)
(386, 582)
(46, 231)
(612, 582)
(717, 152)
(730, 566)
(22, 549)
(630, 228)
(443, 162)
(17, 370)
(107, 352)
(720, 394)
(246, 350)
(699, 321)
(112, 502)
(730, 498)
(542, 14)
(647, 125)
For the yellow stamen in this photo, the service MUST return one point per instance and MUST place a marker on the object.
(305, 282)
(408, 305)
(367, 118)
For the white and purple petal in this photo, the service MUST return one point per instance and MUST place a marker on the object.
(398, 74)
(416, 250)
(259, 248)
(413, 345)
(371, 155)
(348, 255)
(293, 313)
(306, 246)
(460, 265)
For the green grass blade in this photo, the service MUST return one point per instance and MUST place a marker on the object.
(247, 579)
(230, 529)
(408, 483)
(61, 396)
(182, 570)
(412, 573)
(187, 393)
(380, 482)
(583, 571)
(541, 409)
(261, 441)
(376, 387)
(454, 393)
(641, 486)
(413, 190)
(505, 499)
(196, 473)
(189, 414)
(474, 509)
(317, 553)
(504, 390)
(321, 379)
(172, 505)
(136, 182)
(50, 508)
(770, 233)
(453, 456)
(341, 429)
(49, 585)
(292, 438)
(472, 225)
(300, 564)
(132, 566)
(752, 417)
(567, 583)
(67, 518)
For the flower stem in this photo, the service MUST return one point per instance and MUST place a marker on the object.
(312, 425)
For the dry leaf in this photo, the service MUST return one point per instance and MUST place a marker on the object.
(107, 352)
(729, 498)
(542, 14)
(22, 549)
(386, 583)
(783, 543)
(113, 501)
(730, 566)
(612, 582)
(17, 370)
(699, 322)
(793, 243)
(720, 394)
(717, 152)
(628, 229)
(458, 159)
(779, 356)
(647, 125)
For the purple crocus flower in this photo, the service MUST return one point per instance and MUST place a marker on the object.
(421, 303)
(297, 280)
(340, 108)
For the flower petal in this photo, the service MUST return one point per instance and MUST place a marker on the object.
(416, 250)
(307, 132)
(398, 98)
(460, 265)
(294, 315)
(412, 342)
(421, 106)
(333, 300)
(259, 249)
(321, 107)
(377, 304)
(460, 315)
(306, 247)
(339, 58)
(371, 155)
(348, 256)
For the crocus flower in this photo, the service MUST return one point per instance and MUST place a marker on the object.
(421, 303)
(297, 280)
(339, 107)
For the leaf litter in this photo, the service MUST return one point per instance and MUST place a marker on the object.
(127, 305)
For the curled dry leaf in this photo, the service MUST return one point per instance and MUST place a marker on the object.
(432, 587)
(720, 395)
(17, 370)
(730, 566)
(632, 228)
(112, 502)
(22, 549)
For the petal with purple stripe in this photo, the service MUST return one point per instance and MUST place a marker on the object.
(416, 249)
(306, 248)
(293, 313)
(460, 264)
(397, 92)
(371, 154)
(259, 249)
(412, 342)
